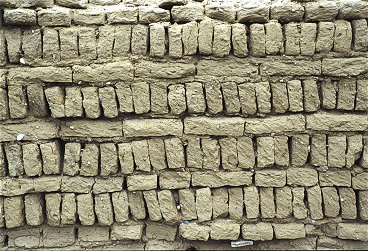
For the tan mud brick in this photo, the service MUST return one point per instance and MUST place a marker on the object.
(190, 38)
(348, 203)
(267, 203)
(276, 124)
(168, 70)
(247, 95)
(284, 197)
(174, 180)
(194, 155)
(224, 230)
(156, 148)
(3, 163)
(354, 149)
(51, 157)
(359, 29)
(263, 96)
(13, 39)
(314, 201)
(68, 209)
(139, 39)
(318, 155)
(270, 178)
(364, 158)
(352, 231)
(127, 232)
(158, 98)
(229, 156)
(246, 153)
(329, 94)
(220, 179)
(152, 127)
(88, 17)
(157, 40)
(230, 96)
(210, 153)
(205, 37)
(352, 11)
(91, 102)
(311, 95)
(73, 102)
(108, 185)
(58, 237)
(142, 182)
(343, 67)
(160, 231)
(123, 35)
(55, 99)
(33, 209)
(85, 210)
(68, 42)
(77, 184)
(257, 232)
(54, 17)
(280, 102)
(46, 74)
(299, 149)
(221, 40)
(253, 13)
(36, 100)
(3, 55)
(168, 206)
(214, 126)
(109, 159)
(93, 234)
(193, 231)
(121, 206)
(107, 98)
(124, 15)
(153, 207)
(289, 231)
(336, 151)
(299, 208)
(195, 97)
(125, 154)
(296, 68)
(32, 160)
(20, 17)
(287, 12)
(329, 122)
(281, 150)
(105, 42)
(87, 43)
(14, 211)
(265, 151)
(308, 32)
(221, 12)
(18, 105)
(360, 181)
(321, 11)
(136, 205)
(141, 155)
(238, 39)
(125, 97)
(90, 160)
(72, 158)
(53, 207)
(148, 14)
(23, 238)
(175, 42)
(187, 204)
(32, 44)
(302, 176)
(346, 94)
(47, 184)
(103, 209)
(274, 38)
(204, 204)
(4, 109)
(325, 33)
(235, 203)
(295, 93)
(343, 36)
(363, 205)
(174, 153)
(292, 42)
(257, 40)
(13, 153)
(362, 96)
(214, 98)
(176, 98)
(220, 202)
(335, 178)
(331, 205)
(50, 48)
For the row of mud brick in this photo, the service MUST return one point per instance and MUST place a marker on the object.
(67, 12)
(35, 45)
(173, 206)
(249, 99)
(89, 159)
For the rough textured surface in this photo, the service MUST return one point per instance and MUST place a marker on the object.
(183, 124)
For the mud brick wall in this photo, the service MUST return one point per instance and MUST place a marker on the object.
(176, 124)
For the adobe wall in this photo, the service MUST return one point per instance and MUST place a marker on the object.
(176, 124)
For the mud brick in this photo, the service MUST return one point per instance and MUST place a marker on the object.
(194, 153)
(13, 40)
(13, 153)
(211, 153)
(123, 35)
(302, 176)
(68, 209)
(270, 178)
(91, 102)
(14, 211)
(141, 97)
(87, 43)
(142, 182)
(229, 157)
(168, 206)
(362, 96)
(51, 157)
(329, 94)
(336, 151)
(139, 40)
(4, 109)
(247, 95)
(335, 178)
(205, 35)
(195, 97)
(311, 96)
(85, 206)
(160, 231)
(157, 155)
(331, 205)
(36, 100)
(158, 98)
(314, 200)
(292, 42)
(299, 208)
(308, 32)
(359, 182)
(348, 203)
(274, 38)
(20, 17)
(289, 231)
(354, 149)
(325, 33)
(55, 99)
(238, 38)
(32, 160)
(127, 232)
(363, 205)
(187, 204)
(235, 203)
(258, 232)
(221, 40)
(174, 153)
(108, 101)
(230, 96)
(126, 158)
(246, 153)
(295, 93)
(18, 105)
(194, 231)
(251, 202)
(190, 38)
(141, 155)
(224, 230)
(263, 95)
(50, 48)
(318, 150)
(204, 204)
(72, 158)
(299, 149)
(265, 151)
(214, 98)
(103, 209)
(137, 205)
(108, 185)
(105, 42)
(109, 159)
(352, 231)
(267, 203)
(90, 160)
(283, 202)
(220, 202)
(33, 209)
(53, 206)
(257, 40)
(280, 102)
(125, 97)
(359, 28)
(174, 180)
(343, 36)
(73, 102)
(153, 207)
(346, 94)
(157, 40)
(176, 99)
(175, 42)
(281, 150)
(121, 206)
